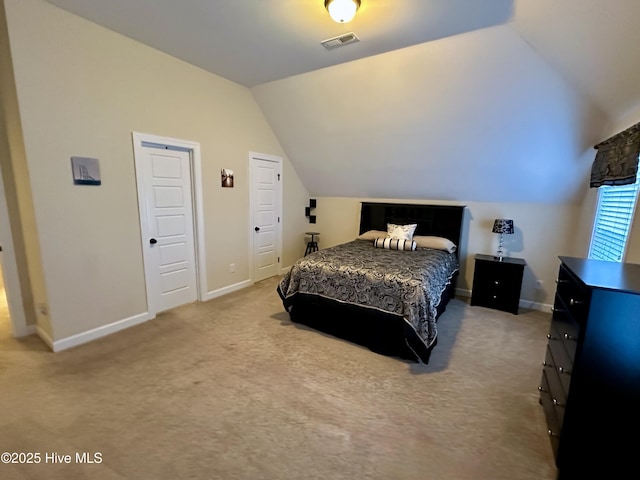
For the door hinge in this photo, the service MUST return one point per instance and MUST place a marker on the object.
(278, 222)
(278, 259)
(278, 177)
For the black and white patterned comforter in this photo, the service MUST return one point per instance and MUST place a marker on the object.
(404, 283)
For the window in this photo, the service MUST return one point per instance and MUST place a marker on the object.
(613, 219)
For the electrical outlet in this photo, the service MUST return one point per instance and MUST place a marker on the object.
(232, 268)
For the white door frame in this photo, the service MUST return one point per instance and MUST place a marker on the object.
(252, 199)
(141, 140)
(12, 287)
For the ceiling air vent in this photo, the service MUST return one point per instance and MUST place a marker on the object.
(335, 42)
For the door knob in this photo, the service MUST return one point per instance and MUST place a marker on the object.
(153, 241)
(257, 229)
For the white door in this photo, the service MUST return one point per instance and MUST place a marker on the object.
(266, 215)
(169, 212)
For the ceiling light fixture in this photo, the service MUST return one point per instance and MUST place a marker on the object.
(342, 11)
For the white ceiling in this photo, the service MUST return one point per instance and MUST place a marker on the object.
(256, 41)
(593, 43)
(486, 100)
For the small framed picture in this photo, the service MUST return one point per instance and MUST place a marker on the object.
(86, 171)
(227, 178)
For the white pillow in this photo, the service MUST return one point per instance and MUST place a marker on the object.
(394, 244)
(401, 232)
(438, 243)
(371, 235)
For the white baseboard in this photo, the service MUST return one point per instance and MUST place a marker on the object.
(45, 337)
(103, 331)
(228, 289)
(463, 292)
(94, 334)
(529, 304)
(24, 331)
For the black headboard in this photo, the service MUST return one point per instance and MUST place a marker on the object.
(437, 220)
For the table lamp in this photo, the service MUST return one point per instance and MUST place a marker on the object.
(502, 226)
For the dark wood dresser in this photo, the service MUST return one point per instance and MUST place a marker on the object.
(497, 283)
(590, 387)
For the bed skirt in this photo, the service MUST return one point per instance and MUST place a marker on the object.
(380, 332)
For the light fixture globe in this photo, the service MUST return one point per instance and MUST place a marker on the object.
(342, 11)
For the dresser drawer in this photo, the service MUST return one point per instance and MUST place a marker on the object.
(574, 298)
(557, 390)
(565, 329)
(558, 360)
(554, 426)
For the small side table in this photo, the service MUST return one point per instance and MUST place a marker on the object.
(497, 283)
(312, 245)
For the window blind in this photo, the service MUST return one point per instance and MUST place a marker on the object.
(612, 223)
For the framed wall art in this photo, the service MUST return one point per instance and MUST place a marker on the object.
(227, 178)
(86, 171)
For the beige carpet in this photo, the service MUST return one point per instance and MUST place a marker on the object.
(231, 389)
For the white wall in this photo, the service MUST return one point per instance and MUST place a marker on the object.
(82, 90)
(542, 233)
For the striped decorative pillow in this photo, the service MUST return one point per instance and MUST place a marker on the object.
(394, 244)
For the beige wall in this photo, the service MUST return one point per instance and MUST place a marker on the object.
(82, 90)
(542, 233)
(633, 245)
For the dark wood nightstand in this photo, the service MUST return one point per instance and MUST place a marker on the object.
(497, 283)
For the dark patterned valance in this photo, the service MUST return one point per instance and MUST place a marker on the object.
(616, 162)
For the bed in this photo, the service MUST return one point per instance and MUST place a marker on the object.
(386, 300)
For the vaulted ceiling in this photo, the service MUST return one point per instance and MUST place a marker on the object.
(487, 100)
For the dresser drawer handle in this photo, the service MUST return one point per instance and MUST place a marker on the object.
(495, 296)
(562, 370)
(551, 337)
(557, 403)
(540, 389)
(556, 310)
(573, 302)
(566, 336)
(558, 281)
(496, 282)
(552, 433)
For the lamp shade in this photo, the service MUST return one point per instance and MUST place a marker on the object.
(502, 225)
(342, 11)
